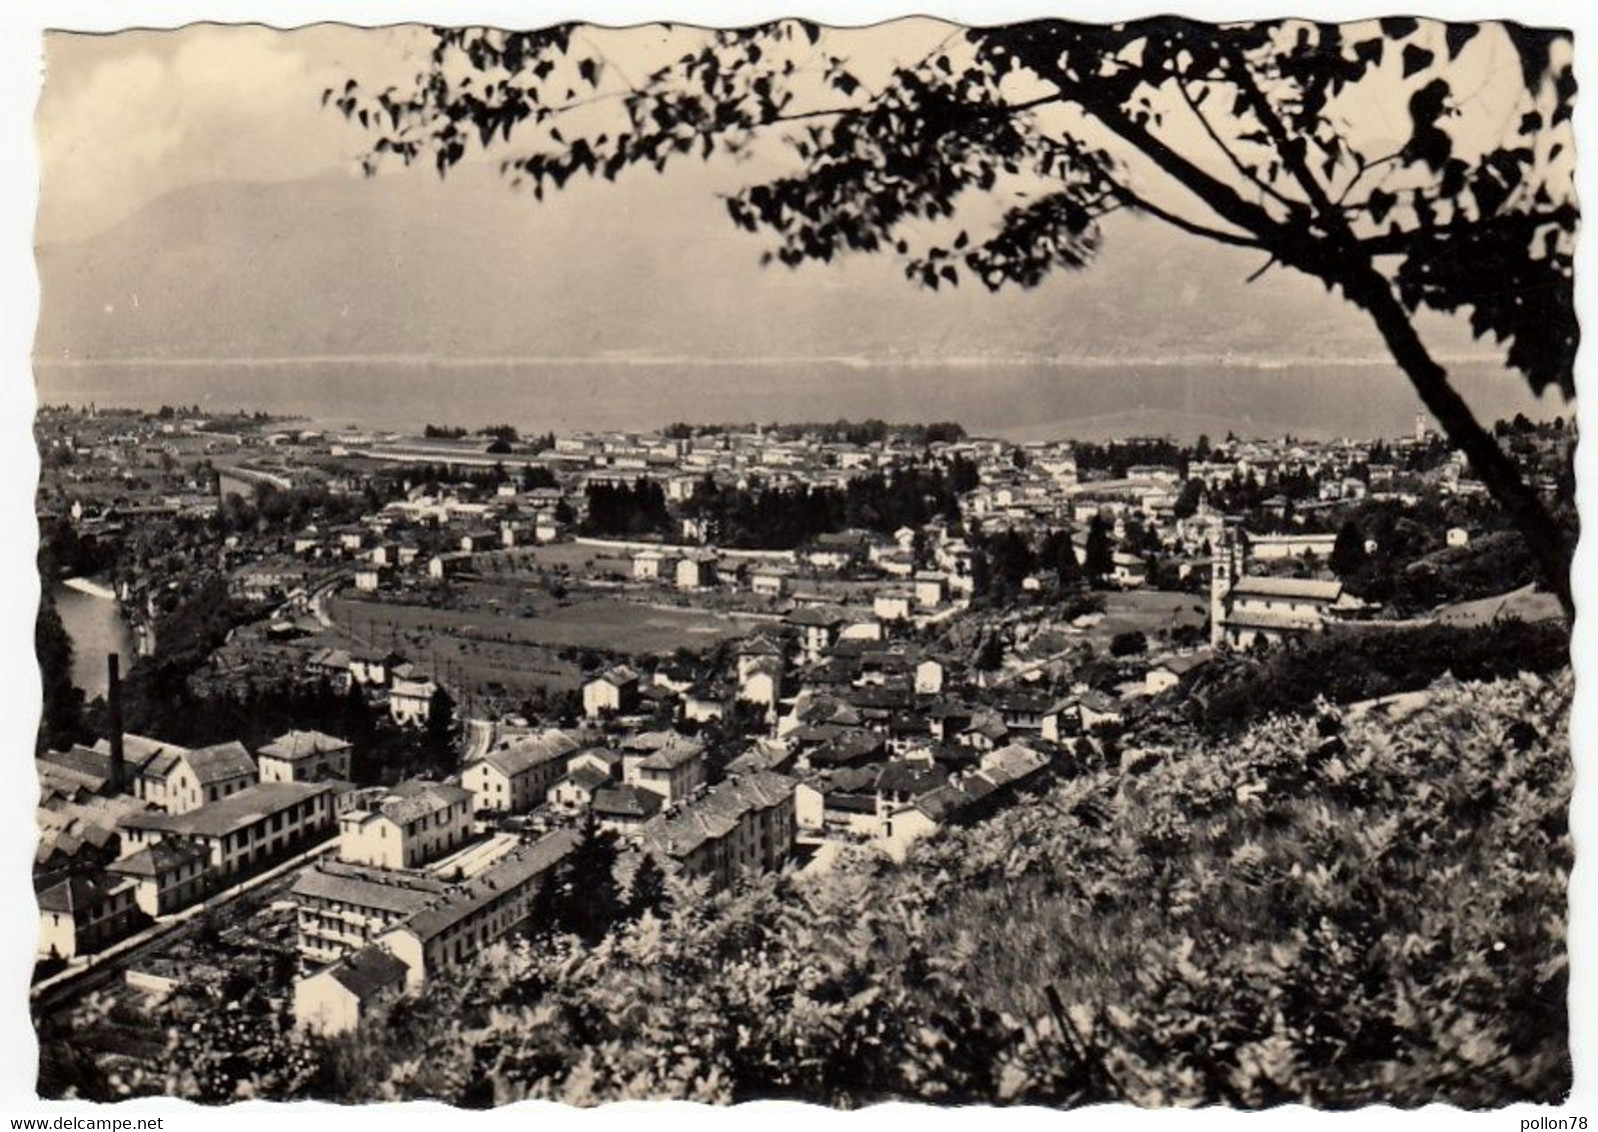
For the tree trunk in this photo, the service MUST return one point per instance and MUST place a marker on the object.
(1550, 547)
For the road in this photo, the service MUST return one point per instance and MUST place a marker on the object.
(105, 966)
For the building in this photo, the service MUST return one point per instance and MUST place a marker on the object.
(372, 576)
(517, 775)
(696, 572)
(1080, 713)
(653, 565)
(614, 691)
(185, 781)
(758, 651)
(893, 604)
(454, 929)
(1128, 570)
(79, 916)
(244, 831)
(1254, 609)
(1275, 548)
(745, 825)
(931, 589)
(761, 683)
(330, 665)
(769, 580)
(406, 826)
(669, 764)
(410, 701)
(304, 756)
(575, 792)
(448, 565)
(624, 810)
(340, 907)
(149, 765)
(1166, 674)
(335, 999)
(818, 628)
(167, 876)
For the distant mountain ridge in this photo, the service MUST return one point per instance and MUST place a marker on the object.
(402, 265)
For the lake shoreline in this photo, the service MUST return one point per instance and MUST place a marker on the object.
(91, 587)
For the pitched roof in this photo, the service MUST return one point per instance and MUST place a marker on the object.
(512, 871)
(619, 675)
(220, 763)
(627, 802)
(759, 645)
(943, 803)
(588, 777)
(74, 894)
(295, 745)
(1297, 589)
(147, 756)
(1181, 665)
(159, 859)
(68, 778)
(1284, 619)
(716, 814)
(679, 751)
(368, 972)
(818, 616)
(86, 764)
(386, 890)
(1011, 764)
(523, 754)
(236, 811)
(991, 727)
(414, 799)
(848, 747)
(909, 778)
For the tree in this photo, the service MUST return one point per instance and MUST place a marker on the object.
(1187, 502)
(1058, 554)
(1348, 552)
(1130, 643)
(1099, 557)
(648, 891)
(583, 897)
(440, 723)
(62, 721)
(989, 655)
(1265, 136)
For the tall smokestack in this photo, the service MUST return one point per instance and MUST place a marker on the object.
(113, 703)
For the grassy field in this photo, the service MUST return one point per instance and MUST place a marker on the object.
(1148, 611)
(579, 560)
(601, 623)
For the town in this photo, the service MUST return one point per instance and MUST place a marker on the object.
(390, 702)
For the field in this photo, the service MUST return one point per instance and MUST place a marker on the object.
(522, 639)
(1149, 611)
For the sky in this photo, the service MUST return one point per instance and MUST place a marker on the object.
(128, 117)
(134, 127)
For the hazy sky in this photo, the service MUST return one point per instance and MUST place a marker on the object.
(127, 117)
(124, 118)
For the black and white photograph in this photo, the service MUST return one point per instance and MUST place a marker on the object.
(969, 564)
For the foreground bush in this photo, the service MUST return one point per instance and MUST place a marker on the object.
(1340, 911)
(1354, 663)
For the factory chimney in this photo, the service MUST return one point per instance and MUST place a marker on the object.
(113, 702)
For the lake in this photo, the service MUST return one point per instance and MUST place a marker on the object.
(1032, 399)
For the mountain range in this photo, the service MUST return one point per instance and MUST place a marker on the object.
(403, 265)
